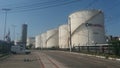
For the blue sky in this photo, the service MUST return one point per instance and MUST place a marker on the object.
(41, 20)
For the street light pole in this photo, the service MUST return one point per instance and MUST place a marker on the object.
(70, 40)
(6, 10)
(87, 24)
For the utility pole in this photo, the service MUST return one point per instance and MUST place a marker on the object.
(87, 24)
(6, 10)
(70, 40)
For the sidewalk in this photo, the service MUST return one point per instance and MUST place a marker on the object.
(3, 57)
(20, 61)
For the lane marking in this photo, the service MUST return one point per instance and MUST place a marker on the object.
(39, 60)
(53, 63)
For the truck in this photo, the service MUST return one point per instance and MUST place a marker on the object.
(18, 49)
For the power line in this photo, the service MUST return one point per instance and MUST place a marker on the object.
(91, 4)
(49, 6)
(44, 4)
(35, 4)
(17, 3)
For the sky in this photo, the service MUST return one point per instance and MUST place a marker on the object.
(43, 15)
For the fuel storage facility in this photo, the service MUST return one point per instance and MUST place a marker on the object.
(87, 27)
(43, 40)
(52, 38)
(31, 42)
(63, 36)
(38, 41)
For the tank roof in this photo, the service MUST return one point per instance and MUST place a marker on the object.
(86, 10)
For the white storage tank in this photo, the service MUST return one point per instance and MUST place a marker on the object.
(52, 38)
(87, 27)
(43, 38)
(38, 41)
(63, 36)
(31, 41)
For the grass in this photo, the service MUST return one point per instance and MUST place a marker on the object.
(101, 54)
(4, 56)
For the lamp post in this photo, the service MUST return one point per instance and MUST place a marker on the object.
(70, 40)
(87, 24)
(6, 10)
(95, 44)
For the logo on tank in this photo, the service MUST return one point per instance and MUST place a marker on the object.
(93, 25)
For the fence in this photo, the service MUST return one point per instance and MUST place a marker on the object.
(4, 47)
(106, 49)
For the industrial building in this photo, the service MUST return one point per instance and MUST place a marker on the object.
(24, 34)
(84, 28)
(112, 38)
(63, 36)
(38, 41)
(43, 40)
(87, 27)
(31, 41)
(52, 38)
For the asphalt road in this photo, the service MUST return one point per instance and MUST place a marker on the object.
(72, 60)
(57, 59)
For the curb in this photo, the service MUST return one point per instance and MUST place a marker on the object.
(4, 57)
(103, 57)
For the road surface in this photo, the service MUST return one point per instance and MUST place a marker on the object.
(57, 59)
(72, 60)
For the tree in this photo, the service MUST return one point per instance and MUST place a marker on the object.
(115, 45)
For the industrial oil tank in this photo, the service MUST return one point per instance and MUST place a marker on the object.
(52, 38)
(43, 39)
(31, 41)
(87, 27)
(63, 36)
(38, 41)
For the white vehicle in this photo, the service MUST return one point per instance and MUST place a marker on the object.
(17, 49)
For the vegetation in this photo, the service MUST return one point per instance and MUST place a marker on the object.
(115, 46)
(111, 50)
(2, 55)
(5, 47)
(29, 46)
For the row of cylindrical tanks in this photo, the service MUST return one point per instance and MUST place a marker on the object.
(84, 28)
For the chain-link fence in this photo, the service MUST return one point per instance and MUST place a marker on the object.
(4, 47)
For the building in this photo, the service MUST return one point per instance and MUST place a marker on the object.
(87, 27)
(63, 36)
(52, 38)
(112, 38)
(38, 41)
(31, 42)
(24, 34)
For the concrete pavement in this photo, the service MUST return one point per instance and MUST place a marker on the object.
(20, 61)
